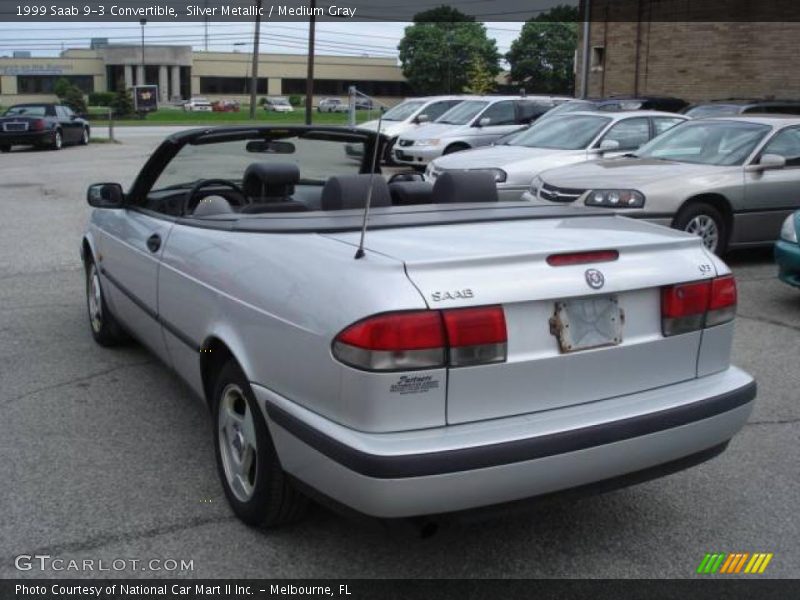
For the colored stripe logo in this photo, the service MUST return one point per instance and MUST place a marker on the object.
(734, 563)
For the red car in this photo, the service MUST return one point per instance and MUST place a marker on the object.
(225, 106)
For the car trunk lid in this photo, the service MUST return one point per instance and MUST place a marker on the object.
(506, 263)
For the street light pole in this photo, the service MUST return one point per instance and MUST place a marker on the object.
(254, 72)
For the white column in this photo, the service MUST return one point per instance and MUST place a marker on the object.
(128, 77)
(175, 88)
(163, 85)
(140, 75)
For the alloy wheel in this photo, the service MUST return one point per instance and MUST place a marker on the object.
(95, 297)
(237, 442)
(705, 228)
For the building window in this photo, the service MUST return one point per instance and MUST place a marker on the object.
(598, 58)
(45, 84)
(230, 85)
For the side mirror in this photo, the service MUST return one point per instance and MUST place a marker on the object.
(105, 195)
(423, 118)
(769, 162)
(609, 145)
(484, 122)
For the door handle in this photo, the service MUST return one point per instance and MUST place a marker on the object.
(154, 243)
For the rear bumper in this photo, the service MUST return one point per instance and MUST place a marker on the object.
(787, 255)
(25, 138)
(490, 462)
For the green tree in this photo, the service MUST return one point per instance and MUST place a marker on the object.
(542, 57)
(439, 49)
(61, 87)
(479, 78)
(70, 95)
(122, 104)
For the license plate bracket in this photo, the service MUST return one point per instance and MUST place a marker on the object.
(586, 323)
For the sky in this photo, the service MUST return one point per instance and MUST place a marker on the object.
(337, 38)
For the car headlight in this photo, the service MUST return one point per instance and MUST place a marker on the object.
(789, 230)
(498, 174)
(430, 142)
(536, 185)
(615, 198)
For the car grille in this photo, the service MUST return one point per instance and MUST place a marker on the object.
(15, 127)
(557, 194)
(405, 143)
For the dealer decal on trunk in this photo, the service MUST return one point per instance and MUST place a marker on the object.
(414, 384)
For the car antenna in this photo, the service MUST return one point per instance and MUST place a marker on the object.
(360, 251)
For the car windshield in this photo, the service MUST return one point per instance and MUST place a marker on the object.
(317, 157)
(723, 143)
(568, 132)
(713, 110)
(463, 113)
(28, 111)
(403, 111)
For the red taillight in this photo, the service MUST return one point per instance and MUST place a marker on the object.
(424, 339)
(582, 258)
(691, 306)
(476, 335)
(416, 330)
(38, 125)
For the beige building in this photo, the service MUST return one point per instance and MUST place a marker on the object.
(180, 72)
(672, 48)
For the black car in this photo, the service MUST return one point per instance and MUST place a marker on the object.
(731, 107)
(617, 103)
(43, 125)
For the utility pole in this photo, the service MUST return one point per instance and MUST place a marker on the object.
(254, 73)
(585, 50)
(205, 36)
(310, 63)
(143, 22)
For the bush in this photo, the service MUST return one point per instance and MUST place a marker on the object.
(295, 100)
(101, 98)
(122, 104)
(73, 97)
(262, 101)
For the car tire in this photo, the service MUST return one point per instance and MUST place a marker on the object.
(5, 148)
(58, 140)
(85, 137)
(455, 148)
(705, 221)
(257, 488)
(105, 329)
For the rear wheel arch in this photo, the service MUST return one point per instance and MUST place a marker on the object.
(214, 355)
(715, 202)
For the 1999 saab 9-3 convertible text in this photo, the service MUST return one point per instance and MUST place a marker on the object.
(470, 352)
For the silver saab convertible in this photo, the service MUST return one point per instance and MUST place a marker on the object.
(408, 350)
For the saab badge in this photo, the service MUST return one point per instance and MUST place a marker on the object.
(595, 279)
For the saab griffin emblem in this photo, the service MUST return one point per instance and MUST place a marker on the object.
(595, 279)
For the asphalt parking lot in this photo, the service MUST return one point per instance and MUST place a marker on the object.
(105, 455)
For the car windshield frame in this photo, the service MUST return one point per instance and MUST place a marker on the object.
(722, 158)
(565, 123)
(416, 106)
(463, 113)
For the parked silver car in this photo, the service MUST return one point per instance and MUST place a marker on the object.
(477, 121)
(557, 141)
(468, 352)
(732, 181)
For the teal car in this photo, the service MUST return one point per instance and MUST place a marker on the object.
(787, 251)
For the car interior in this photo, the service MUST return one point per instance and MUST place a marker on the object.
(276, 188)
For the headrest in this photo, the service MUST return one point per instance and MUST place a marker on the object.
(350, 191)
(212, 205)
(270, 180)
(464, 186)
(405, 193)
